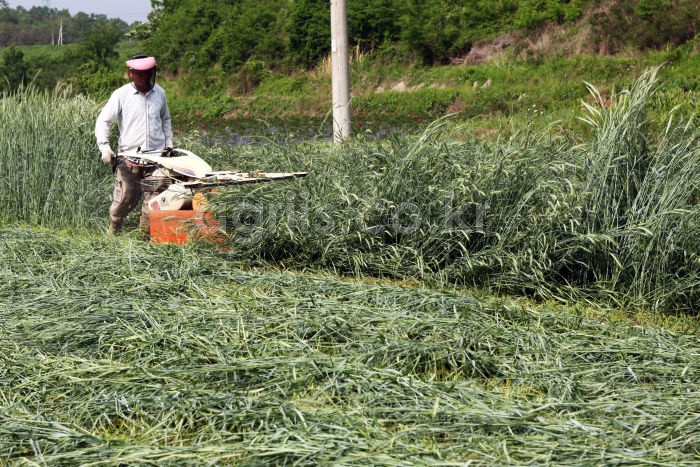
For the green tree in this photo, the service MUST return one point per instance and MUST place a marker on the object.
(664, 22)
(533, 14)
(100, 44)
(95, 80)
(182, 30)
(430, 28)
(309, 30)
(253, 30)
(14, 69)
(645, 24)
(372, 22)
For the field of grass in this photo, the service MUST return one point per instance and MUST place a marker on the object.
(431, 299)
(115, 351)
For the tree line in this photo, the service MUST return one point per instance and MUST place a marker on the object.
(286, 34)
(88, 63)
(252, 37)
(41, 25)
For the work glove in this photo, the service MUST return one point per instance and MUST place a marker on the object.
(168, 151)
(107, 156)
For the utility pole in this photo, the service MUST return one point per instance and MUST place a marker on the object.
(341, 74)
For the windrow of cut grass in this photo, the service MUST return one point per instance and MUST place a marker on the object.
(614, 215)
(114, 351)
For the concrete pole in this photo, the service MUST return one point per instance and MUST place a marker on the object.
(341, 67)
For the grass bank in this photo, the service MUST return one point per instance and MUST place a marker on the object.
(489, 94)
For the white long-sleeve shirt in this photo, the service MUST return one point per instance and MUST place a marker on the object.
(143, 120)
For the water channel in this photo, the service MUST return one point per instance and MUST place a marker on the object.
(251, 130)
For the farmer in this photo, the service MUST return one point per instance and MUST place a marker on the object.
(141, 112)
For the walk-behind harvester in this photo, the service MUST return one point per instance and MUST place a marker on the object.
(179, 184)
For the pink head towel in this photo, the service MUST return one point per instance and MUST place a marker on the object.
(141, 64)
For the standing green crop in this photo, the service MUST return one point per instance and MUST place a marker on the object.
(49, 175)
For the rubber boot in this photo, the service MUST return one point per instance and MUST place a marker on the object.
(114, 228)
(145, 231)
(145, 218)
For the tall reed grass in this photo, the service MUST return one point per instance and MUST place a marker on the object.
(614, 216)
(642, 193)
(610, 215)
(50, 173)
